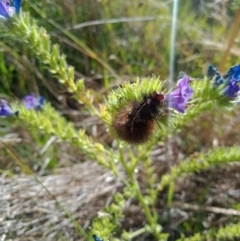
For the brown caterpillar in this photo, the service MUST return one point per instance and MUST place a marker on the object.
(135, 123)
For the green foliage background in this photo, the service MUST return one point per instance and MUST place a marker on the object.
(136, 44)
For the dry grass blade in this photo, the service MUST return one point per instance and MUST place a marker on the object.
(28, 212)
(194, 207)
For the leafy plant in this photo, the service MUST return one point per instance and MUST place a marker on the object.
(134, 97)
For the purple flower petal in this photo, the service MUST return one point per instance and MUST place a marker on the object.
(32, 102)
(178, 98)
(5, 110)
(232, 89)
(6, 10)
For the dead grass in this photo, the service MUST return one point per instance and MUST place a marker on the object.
(28, 212)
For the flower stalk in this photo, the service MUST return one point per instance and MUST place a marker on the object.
(39, 42)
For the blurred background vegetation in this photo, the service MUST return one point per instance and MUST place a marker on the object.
(109, 42)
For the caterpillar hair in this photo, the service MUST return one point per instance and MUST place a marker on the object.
(135, 123)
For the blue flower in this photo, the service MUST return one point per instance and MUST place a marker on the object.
(218, 80)
(5, 110)
(213, 73)
(230, 80)
(178, 98)
(17, 5)
(32, 102)
(232, 89)
(233, 73)
(96, 238)
(7, 10)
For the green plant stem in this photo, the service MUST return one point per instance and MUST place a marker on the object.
(138, 194)
(39, 42)
(170, 194)
(137, 233)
